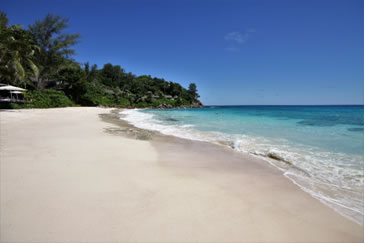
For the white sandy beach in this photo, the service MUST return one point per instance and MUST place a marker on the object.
(64, 179)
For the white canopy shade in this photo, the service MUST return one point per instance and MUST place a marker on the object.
(10, 87)
(16, 92)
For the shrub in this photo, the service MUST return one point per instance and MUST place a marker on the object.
(95, 95)
(123, 102)
(142, 105)
(47, 98)
(156, 103)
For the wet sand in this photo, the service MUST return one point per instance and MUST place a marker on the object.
(70, 175)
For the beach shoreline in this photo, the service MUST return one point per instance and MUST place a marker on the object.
(149, 187)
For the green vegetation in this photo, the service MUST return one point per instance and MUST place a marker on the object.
(46, 98)
(54, 47)
(40, 59)
(17, 53)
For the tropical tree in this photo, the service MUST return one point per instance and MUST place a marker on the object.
(112, 76)
(55, 47)
(17, 54)
(92, 75)
(3, 20)
(192, 90)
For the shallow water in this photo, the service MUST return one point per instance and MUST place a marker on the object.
(320, 148)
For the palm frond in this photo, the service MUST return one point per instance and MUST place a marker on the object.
(34, 68)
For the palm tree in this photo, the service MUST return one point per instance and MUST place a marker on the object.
(17, 50)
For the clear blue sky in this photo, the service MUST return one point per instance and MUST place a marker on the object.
(237, 52)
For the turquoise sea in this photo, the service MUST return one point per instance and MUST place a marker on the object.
(319, 148)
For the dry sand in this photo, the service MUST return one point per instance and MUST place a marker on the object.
(64, 179)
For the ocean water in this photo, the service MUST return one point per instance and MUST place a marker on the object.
(319, 148)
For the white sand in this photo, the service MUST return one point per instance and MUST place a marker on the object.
(63, 179)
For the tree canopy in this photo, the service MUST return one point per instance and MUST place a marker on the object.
(17, 53)
(55, 46)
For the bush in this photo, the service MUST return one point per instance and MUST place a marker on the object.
(47, 98)
(158, 102)
(142, 105)
(180, 102)
(95, 95)
(123, 102)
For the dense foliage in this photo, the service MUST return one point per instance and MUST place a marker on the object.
(55, 47)
(17, 53)
(40, 60)
(46, 98)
